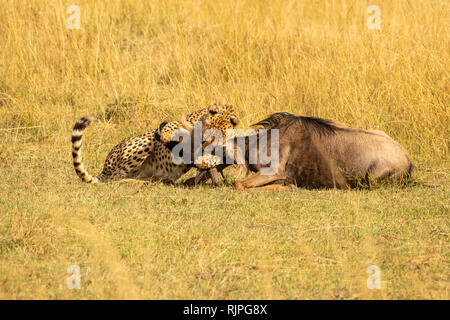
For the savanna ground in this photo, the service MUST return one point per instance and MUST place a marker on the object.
(135, 63)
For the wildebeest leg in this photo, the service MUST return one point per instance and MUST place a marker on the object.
(200, 176)
(258, 180)
(273, 187)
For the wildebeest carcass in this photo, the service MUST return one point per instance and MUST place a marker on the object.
(316, 153)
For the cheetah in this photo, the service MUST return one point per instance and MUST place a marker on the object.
(145, 157)
(208, 165)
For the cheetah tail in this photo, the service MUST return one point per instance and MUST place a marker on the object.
(77, 135)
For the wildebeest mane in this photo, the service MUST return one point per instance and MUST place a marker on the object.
(283, 119)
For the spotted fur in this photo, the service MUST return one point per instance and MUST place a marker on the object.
(208, 161)
(145, 157)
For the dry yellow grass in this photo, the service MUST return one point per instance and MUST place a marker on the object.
(135, 63)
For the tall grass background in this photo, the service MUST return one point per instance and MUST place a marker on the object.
(136, 63)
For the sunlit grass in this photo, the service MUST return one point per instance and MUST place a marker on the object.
(134, 64)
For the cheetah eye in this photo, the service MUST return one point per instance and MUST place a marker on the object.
(213, 112)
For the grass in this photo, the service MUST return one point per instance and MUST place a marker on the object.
(134, 64)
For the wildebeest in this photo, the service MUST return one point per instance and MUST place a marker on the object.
(317, 153)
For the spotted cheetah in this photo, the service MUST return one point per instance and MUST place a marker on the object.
(145, 157)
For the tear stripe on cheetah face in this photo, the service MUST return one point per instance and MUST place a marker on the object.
(145, 157)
